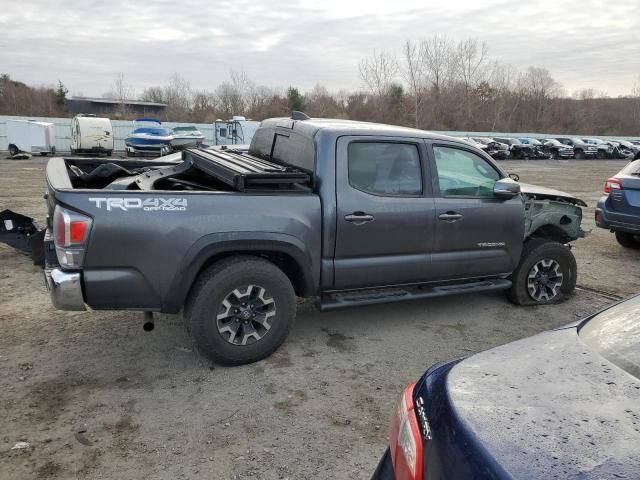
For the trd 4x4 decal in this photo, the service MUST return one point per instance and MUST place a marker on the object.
(148, 204)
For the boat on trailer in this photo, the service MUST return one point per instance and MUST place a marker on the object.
(149, 137)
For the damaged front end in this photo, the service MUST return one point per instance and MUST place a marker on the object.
(23, 234)
(553, 213)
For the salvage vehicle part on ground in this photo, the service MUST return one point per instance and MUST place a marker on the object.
(618, 209)
(311, 209)
(23, 234)
(564, 400)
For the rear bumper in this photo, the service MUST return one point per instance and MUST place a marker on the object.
(618, 222)
(65, 289)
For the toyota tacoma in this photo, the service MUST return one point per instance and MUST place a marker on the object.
(351, 213)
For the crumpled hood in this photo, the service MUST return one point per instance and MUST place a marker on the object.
(549, 193)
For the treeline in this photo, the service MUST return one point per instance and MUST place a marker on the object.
(17, 98)
(432, 84)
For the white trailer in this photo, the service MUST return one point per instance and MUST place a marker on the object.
(30, 136)
(237, 131)
(91, 134)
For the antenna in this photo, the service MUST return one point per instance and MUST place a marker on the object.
(296, 115)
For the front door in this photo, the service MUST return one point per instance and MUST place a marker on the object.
(385, 212)
(477, 234)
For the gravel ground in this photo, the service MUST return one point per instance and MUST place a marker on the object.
(96, 397)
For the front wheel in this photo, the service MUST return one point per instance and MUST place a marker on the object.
(628, 240)
(240, 310)
(579, 155)
(13, 150)
(546, 274)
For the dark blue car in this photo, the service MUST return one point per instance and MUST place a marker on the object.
(563, 404)
(618, 209)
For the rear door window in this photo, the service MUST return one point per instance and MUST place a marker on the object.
(385, 168)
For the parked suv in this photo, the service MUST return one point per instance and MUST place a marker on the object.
(618, 209)
(581, 149)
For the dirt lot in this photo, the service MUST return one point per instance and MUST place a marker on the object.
(98, 398)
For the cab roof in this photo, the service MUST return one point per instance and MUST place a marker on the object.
(312, 126)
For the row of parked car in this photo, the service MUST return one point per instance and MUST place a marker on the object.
(502, 148)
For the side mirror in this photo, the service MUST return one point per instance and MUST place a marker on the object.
(506, 188)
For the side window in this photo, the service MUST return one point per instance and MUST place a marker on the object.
(391, 169)
(464, 174)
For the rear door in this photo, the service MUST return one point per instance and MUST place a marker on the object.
(477, 234)
(385, 212)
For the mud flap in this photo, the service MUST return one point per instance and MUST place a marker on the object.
(23, 234)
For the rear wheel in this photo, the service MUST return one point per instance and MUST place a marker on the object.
(13, 150)
(628, 240)
(546, 274)
(240, 310)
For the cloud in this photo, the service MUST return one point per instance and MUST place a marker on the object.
(585, 44)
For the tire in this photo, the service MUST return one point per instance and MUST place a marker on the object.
(549, 259)
(13, 150)
(628, 240)
(600, 155)
(109, 153)
(43, 154)
(211, 322)
(579, 155)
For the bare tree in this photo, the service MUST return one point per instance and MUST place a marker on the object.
(414, 74)
(470, 57)
(177, 96)
(378, 72)
(121, 91)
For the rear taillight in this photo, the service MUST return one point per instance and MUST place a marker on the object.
(612, 184)
(70, 233)
(405, 439)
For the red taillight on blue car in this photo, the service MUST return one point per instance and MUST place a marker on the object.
(406, 439)
(612, 184)
(70, 233)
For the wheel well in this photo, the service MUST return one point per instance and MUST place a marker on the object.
(551, 232)
(283, 261)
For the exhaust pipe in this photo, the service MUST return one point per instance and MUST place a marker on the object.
(148, 322)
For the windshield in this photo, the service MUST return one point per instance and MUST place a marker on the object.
(632, 169)
(185, 129)
(615, 334)
(553, 141)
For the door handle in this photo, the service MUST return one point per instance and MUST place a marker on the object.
(358, 218)
(450, 216)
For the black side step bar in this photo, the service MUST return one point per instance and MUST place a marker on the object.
(371, 297)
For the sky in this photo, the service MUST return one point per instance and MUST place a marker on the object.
(583, 43)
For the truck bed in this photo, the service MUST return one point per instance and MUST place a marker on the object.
(198, 170)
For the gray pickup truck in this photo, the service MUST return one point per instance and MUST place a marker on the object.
(352, 213)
